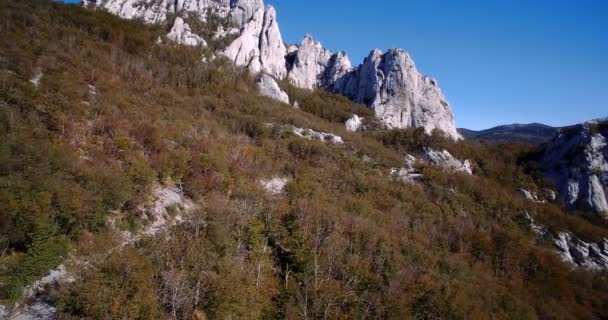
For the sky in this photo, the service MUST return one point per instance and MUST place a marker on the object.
(497, 61)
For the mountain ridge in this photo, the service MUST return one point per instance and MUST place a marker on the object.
(535, 133)
(388, 83)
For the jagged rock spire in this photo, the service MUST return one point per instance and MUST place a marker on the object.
(389, 83)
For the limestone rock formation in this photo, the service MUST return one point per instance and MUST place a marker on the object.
(571, 249)
(577, 161)
(316, 135)
(446, 160)
(312, 66)
(156, 11)
(260, 46)
(390, 84)
(182, 34)
(269, 88)
(408, 173)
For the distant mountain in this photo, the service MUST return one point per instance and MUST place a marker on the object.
(536, 133)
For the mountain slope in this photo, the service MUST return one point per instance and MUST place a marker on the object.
(388, 83)
(271, 212)
(535, 133)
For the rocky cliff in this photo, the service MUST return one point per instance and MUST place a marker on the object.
(389, 83)
(577, 161)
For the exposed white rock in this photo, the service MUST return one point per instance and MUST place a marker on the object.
(221, 33)
(35, 80)
(168, 209)
(156, 11)
(354, 124)
(388, 83)
(268, 87)
(311, 66)
(590, 256)
(150, 11)
(37, 307)
(407, 174)
(275, 185)
(182, 34)
(315, 135)
(572, 250)
(577, 161)
(529, 195)
(446, 160)
(391, 85)
(241, 11)
(260, 46)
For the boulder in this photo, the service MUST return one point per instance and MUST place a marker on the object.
(445, 159)
(182, 34)
(355, 123)
(268, 87)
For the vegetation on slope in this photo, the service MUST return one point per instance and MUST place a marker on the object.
(115, 113)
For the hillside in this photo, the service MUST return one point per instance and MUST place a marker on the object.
(534, 133)
(141, 181)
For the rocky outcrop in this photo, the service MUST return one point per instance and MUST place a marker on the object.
(577, 161)
(316, 135)
(571, 249)
(260, 46)
(446, 160)
(312, 66)
(390, 84)
(157, 11)
(182, 34)
(408, 173)
(355, 123)
(268, 87)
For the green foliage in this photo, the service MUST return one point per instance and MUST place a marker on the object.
(44, 253)
(331, 107)
(122, 288)
(343, 240)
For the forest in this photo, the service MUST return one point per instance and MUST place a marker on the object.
(96, 114)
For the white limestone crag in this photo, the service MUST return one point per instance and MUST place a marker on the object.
(269, 87)
(577, 161)
(157, 11)
(316, 135)
(401, 97)
(181, 33)
(260, 47)
(388, 83)
(445, 159)
(355, 123)
(312, 66)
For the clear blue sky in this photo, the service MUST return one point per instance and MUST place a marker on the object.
(497, 61)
